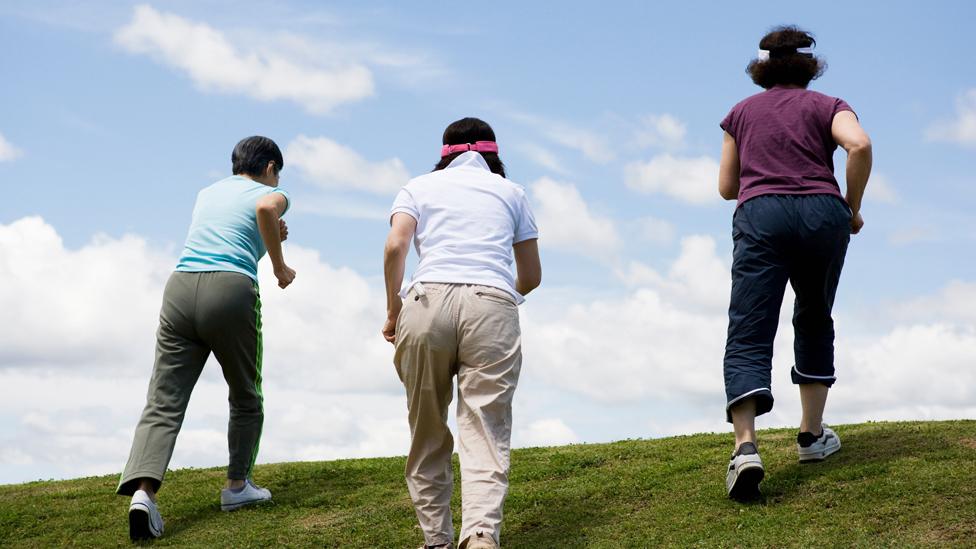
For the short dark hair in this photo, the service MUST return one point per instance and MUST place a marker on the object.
(470, 130)
(252, 154)
(786, 67)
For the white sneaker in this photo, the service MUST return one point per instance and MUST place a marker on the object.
(811, 447)
(746, 471)
(249, 495)
(145, 522)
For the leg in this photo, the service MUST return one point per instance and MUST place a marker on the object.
(490, 357)
(744, 421)
(759, 277)
(425, 361)
(180, 357)
(813, 398)
(814, 273)
(230, 321)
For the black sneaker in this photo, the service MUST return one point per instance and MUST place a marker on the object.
(811, 447)
(745, 472)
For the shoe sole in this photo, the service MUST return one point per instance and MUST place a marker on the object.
(746, 483)
(815, 457)
(235, 506)
(139, 523)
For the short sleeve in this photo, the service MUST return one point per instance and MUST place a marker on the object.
(841, 105)
(287, 196)
(525, 227)
(404, 203)
(728, 123)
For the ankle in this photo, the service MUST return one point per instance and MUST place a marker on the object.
(147, 486)
(815, 428)
(235, 484)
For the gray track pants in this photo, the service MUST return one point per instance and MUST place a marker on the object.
(217, 312)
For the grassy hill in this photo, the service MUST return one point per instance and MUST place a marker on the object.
(892, 484)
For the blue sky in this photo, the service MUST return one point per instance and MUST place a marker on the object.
(115, 114)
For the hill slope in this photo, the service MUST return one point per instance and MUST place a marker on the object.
(892, 484)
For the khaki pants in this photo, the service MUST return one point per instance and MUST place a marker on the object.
(472, 332)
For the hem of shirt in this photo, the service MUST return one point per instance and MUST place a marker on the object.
(407, 211)
(524, 237)
(216, 269)
(519, 298)
(835, 193)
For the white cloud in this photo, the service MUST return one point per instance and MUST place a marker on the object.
(913, 235)
(73, 298)
(656, 230)
(545, 432)
(663, 131)
(880, 189)
(566, 222)
(594, 147)
(214, 63)
(81, 352)
(692, 180)
(543, 157)
(8, 151)
(331, 165)
(962, 128)
(79, 355)
(954, 302)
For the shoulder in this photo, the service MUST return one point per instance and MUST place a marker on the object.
(750, 101)
(821, 97)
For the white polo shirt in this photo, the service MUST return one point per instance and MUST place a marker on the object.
(468, 218)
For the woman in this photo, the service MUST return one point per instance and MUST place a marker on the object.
(211, 304)
(791, 224)
(458, 316)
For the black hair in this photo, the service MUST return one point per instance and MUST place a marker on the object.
(470, 130)
(252, 154)
(786, 67)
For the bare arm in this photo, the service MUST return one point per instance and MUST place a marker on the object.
(527, 266)
(269, 209)
(402, 229)
(847, 132)
(728, 169)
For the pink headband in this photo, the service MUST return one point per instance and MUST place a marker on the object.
(480, 146)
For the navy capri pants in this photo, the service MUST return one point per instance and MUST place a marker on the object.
(778, 238)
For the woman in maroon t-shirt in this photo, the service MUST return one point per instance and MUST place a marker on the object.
(791, 224)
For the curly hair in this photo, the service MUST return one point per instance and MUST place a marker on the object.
(786, 67)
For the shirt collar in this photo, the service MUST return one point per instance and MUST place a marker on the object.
(469, 159)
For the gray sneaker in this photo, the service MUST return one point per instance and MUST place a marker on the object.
(250, 494)
(145, 522)
(746, 471)
(811, 447)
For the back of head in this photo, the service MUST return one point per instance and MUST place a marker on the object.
(470, 130)
(252, 154)
(780, 64)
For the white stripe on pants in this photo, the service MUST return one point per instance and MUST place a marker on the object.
(473, 332)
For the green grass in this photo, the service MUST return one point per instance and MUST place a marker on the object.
(892, 484)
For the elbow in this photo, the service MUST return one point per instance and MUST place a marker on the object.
(394, 250)
(531, 282)
(860, 147)
(728, 187)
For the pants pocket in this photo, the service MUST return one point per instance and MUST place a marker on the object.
(497, 297)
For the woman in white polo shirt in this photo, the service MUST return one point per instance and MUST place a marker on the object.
(458, 315)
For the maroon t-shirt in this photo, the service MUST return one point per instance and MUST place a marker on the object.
(784, 142)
